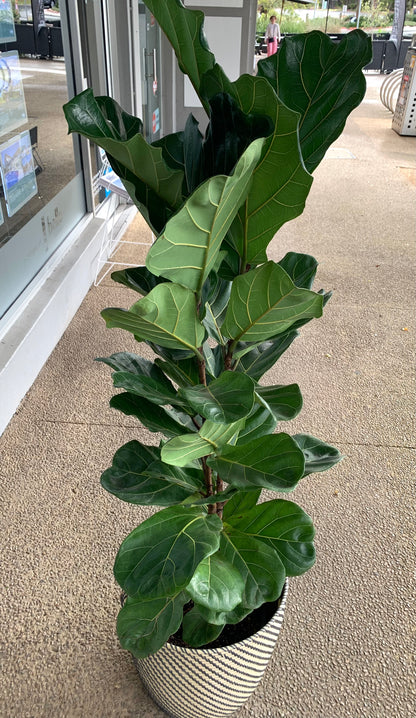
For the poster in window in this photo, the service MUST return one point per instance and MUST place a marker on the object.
(13, 112)
(7, 31)
(17, 170)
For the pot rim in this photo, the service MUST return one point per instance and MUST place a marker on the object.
(226, 649)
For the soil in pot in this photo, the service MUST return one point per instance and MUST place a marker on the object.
(234, 633)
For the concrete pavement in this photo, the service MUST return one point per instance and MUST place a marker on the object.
(346, 648)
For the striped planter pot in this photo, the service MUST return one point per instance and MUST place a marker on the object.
(210, 682)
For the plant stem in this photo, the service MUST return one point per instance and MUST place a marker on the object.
(229, 356)
(220, 504)
(201, 370)
(208, 483)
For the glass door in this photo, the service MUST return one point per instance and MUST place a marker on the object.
(42, 194)
(150, 44)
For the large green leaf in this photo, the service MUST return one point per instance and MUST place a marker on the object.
(216, 584)
(167, 316)
(265, 302)
(129, 362)
(230, 131)
(130, 478)
(285, 527)
(196, 631)
(137, 278)
(322, 81)
(259, 359)
(155, 418)
(259, 565)
(280, 182)
(240, 503)
(301, 268)
(226, 399)
(271, 462)
(159, 557)
(93, 118)
(260, 422)
(154, 389)
(220, 434)
(184, 372)
(183, 150)
(181, 450)
(143, 626)
(284, 402)
(319, 456)
(217, 297)
(187, 250)
(142, 377)
(184, 29)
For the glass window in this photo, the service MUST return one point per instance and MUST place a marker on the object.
(41, 183)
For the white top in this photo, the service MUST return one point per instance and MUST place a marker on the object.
(272, 31)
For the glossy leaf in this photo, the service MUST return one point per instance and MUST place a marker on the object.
(197, 631)
(137, 278)
(189, 478)
(169, 422)
(183, 150)
(142, 377)
(220, 434)
(159, 557)
(280, 182)
(301, 268)
(93, 118)
(240, 503)
(260, 422)
(265, 302)
(143, 626)
(181, 450)
(184, 372)
(217, 293)
(226, 399)
(285, 527)
(259, 359)
(128, 478)
(319, 456)
(230, 131)
(187, 250)
(216, 584)
(167, 316)
(214, 360)
(271, 462)
(259, 565)
(322, 81)
(129, 362)
(157, 390)
(284, 402)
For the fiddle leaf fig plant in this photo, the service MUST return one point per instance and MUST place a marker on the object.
(218, 314)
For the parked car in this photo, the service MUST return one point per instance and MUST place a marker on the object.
(49, 3)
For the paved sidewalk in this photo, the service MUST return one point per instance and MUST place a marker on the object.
(346, 647)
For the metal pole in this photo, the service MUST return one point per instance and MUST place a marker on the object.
(358, 14)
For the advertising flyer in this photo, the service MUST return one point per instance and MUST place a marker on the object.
(13, 112)
(7, 31)
(17, 172)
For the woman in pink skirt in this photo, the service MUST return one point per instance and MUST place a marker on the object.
(272, 36)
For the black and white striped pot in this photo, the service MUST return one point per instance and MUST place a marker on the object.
(210, 682)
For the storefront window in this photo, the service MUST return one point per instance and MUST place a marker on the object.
(41, 183)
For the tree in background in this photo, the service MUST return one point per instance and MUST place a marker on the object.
(398, 21)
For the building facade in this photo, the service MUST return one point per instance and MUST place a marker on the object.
(54, 210)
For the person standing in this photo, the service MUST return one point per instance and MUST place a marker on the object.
(272, 36)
